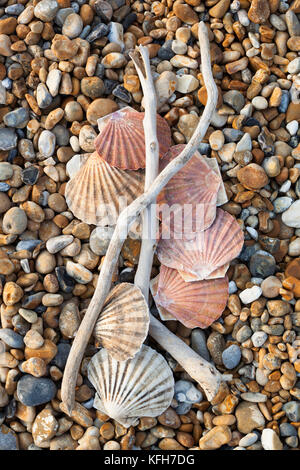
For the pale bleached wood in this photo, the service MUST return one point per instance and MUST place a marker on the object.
(125, 219)
(142, 277)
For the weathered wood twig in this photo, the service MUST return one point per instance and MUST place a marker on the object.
(195, 366)
(143, 272)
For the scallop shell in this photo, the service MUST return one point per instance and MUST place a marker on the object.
(205, 252)
(121, 141)
(124, 322)
(163, 313)
(194, 304)
(192, 193)
(222, 197)
(126, 391)
(98, 192)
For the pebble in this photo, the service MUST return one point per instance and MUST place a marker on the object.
(292, 410)
(270, 440)
(55, 244)
(14, 221)
(250, 295)
(8, 139)
(248, 417)
(262, 264)
(8, 439)
(34, 391)
(44, 428)
(46, 143)
(259, 338)
(79, 272)
(215, 438)
(291, 217)
(231, 356)
(248, 440)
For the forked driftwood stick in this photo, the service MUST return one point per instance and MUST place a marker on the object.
(203, 372)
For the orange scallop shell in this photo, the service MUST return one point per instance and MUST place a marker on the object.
(194, 304)
(98, 192)
(191, 193)
(121, 141)
(205, 252)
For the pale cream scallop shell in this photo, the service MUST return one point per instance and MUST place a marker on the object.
(123, 324)
(98, 192)
(128, 390)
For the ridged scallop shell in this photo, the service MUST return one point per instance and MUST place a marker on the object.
(222, 197)
(193, 189)
(126, 391)
(98, 192)
(205, 252)
(121, 141)
(194, 304)
(163, 313)
(123, 323)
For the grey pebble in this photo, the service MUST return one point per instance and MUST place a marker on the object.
(231, 356)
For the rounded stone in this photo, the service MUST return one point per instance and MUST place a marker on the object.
(252, 176)
(99, 108)
(72, 26)
(231, 356)
(45, 262)
(93, 87)
(100, 239)
(33, 391)
(262, 264)
(15, 221)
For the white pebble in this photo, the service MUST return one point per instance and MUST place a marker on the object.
(249, 295)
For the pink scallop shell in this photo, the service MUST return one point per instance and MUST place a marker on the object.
(205, 252)
(98, 192)
(194, 304)
(121, 141)
(192, 193)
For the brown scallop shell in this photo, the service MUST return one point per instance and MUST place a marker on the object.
(194, 304)
(192, 193)
(121, 141)
(123, 323)
(206, 251)
(98, 192)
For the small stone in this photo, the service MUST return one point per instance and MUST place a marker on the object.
(215, 438)
(100, 239)
(79, 272)
(180, 61)
(248, 440)
(259, 11)
(199, 343)
(99, 108)
(250, 295)
(46, 10)
(114, 60)
(262, 264)
(270, 440)
(45, 262)
(291, 217)
(44, 428)
(17, 118)
(53, 83)
(165, 86)
(5, 45)
(11, 338)
(185, 13)
(43, 97)
(6, 171)
(8, 439)
(69, 320)
(34, 391)
(34, 366)
(72, 26)
(252, 176)
(46, 143)
(55, 244)
(8, 139)
(33, 339)
(30, 175)
(93, 87)
(259, 338)
(64, 49)
(292, 410)
(87, 137)
(231, 356)
(248, 417)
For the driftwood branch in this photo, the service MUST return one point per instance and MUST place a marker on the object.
(197, 367)
(142, 277)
